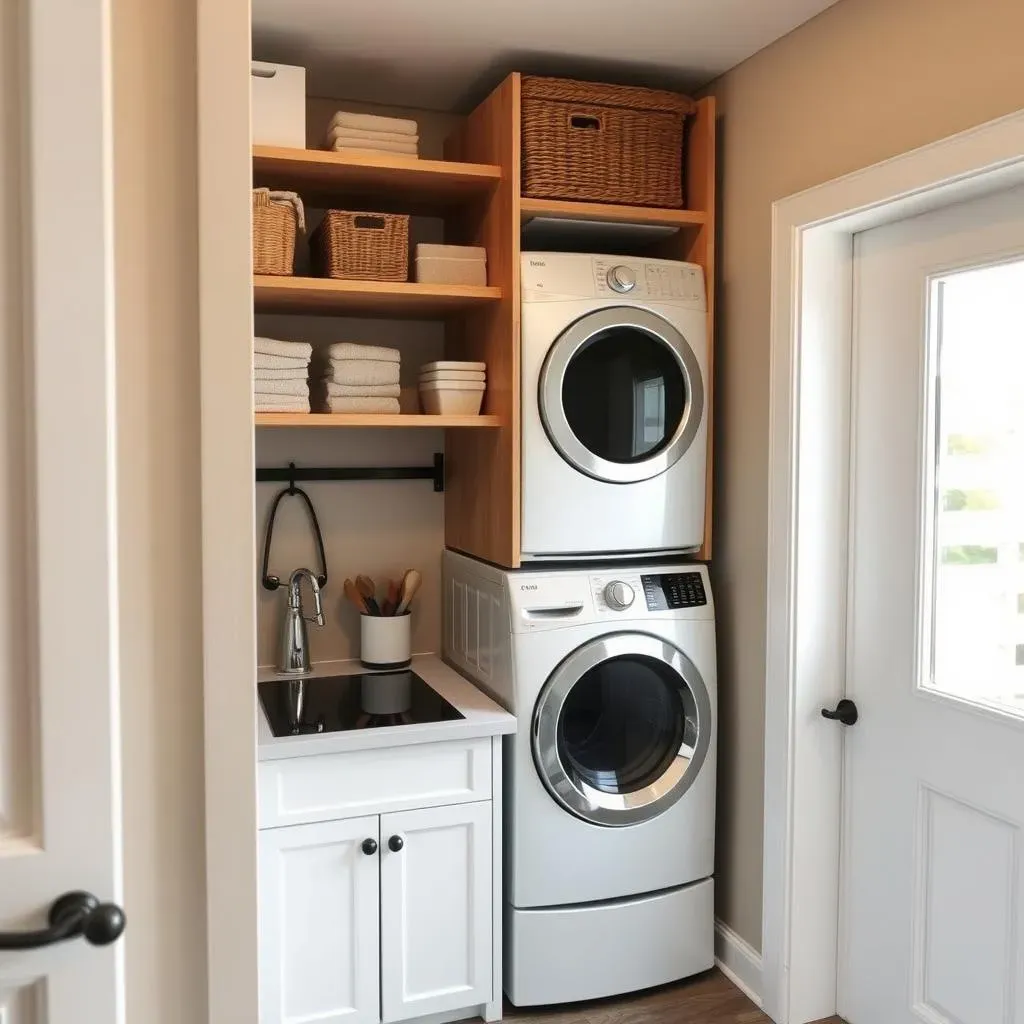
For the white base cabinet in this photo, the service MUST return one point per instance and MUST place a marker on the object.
(382, 918)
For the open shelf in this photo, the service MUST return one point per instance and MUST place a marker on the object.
(610, 214)
(349, 419)
(321, 296)
(418, 186)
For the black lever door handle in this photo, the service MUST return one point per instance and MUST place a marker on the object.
(845, 712)
(73, 914)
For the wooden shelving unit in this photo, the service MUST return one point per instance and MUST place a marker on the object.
(415, 186)
(320, 296)
(606, 213)
(404, 420)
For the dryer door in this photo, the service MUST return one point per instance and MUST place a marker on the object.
(621, 394)
(621, 729)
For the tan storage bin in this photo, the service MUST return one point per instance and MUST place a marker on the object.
(274, 225)
(597, 143)
(451, 264)
(362, 246)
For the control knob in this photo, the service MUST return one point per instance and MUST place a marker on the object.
(618, 595)
(621, 279)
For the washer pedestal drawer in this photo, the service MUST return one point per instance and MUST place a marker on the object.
(566, 954)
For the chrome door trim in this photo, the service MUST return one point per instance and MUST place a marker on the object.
(593, 805)
(552, 378)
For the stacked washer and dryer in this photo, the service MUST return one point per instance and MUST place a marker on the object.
(603, 645)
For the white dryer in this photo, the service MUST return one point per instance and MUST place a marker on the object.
(614, 406)
(610, 777)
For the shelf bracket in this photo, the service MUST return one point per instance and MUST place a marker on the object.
(292, 473)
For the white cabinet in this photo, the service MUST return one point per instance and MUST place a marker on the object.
(319, 923)
(436, 910)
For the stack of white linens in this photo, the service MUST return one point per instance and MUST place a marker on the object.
(361, 378)
(281, 375)
(370, 132)
(452, 387)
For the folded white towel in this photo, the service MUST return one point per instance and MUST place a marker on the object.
(373, 122)
(273, 347)
(363, 405)
(288, 373)
(280, 403)
(369, 146)
(298, 388)
(365, 135)
(363, 390)
(347, 350)
(265, 362)
(362, 371)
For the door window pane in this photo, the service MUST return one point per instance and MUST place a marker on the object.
(977, 578)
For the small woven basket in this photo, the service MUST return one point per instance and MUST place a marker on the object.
(274, 225)
(362, 246)
(602, 143)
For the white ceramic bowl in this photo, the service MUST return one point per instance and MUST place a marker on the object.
(452, 398)
(460, 375)
(452, 364)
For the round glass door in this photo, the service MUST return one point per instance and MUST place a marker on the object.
(621, 395)
(621, 729)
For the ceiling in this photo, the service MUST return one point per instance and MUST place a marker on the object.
(447, 54)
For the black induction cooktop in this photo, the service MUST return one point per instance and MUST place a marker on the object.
(368, 700)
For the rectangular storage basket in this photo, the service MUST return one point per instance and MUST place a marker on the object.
(602, 143)
(362, 246)
(274, 225)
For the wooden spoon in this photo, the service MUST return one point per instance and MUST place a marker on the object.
(410, 585)
(368, 589)
(352, 593)
(394, 596)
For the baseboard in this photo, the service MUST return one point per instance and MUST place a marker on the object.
(738, 961)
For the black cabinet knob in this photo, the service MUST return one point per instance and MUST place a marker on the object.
(369, 847)
(845, 712)
(395, 843)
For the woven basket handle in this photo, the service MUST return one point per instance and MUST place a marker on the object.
(586, 122)
(369, 222)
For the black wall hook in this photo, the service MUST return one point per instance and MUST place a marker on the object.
(273, 582)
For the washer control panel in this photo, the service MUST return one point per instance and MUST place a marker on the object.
(666, 591)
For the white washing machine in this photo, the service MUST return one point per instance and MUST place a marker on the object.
(609, 781)
(614, 406)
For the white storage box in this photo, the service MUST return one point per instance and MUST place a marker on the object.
(451, 264)
(452, 398)
(278, 105)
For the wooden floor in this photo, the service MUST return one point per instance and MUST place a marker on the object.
(708, 999)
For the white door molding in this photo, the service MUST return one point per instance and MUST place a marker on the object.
(811, 331)
(228, 489)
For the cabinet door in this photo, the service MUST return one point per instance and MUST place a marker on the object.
(319, 923)
(436, 910)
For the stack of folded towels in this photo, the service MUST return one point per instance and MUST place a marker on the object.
(372, 132)
(281, 375)
(361, 378)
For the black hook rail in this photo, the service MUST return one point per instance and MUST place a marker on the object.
(292, 473)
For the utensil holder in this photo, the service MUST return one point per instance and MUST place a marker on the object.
(385, 641)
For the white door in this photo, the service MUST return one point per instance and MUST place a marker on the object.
(59, 770)
(320, 923)
(436, 909)
(932, 906)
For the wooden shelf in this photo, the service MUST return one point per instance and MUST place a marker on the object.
(316, 419)
(320, 296)
(610, 214)
(417, 186)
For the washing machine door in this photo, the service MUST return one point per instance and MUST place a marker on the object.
(621, 729)
(621, 394)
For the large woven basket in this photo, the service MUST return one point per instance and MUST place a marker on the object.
(363, 246)
(274, 225)
(602, 143)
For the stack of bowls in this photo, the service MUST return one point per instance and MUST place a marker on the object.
(452, 388)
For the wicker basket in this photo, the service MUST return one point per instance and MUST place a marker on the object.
(602, 143)
(362, 246)
(274, 225)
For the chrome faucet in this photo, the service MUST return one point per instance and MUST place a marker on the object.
(294, 639)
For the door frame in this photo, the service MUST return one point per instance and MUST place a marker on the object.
(808, 517)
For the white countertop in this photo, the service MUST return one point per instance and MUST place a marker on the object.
(481, 716)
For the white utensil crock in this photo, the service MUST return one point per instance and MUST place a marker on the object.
(386, 640)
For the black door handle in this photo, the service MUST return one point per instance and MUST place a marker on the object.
(845, 712)
(73, 914)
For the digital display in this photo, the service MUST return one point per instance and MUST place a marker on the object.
(674, 590)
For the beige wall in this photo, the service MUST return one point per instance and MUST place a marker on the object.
(864, 81)
(158, 465)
